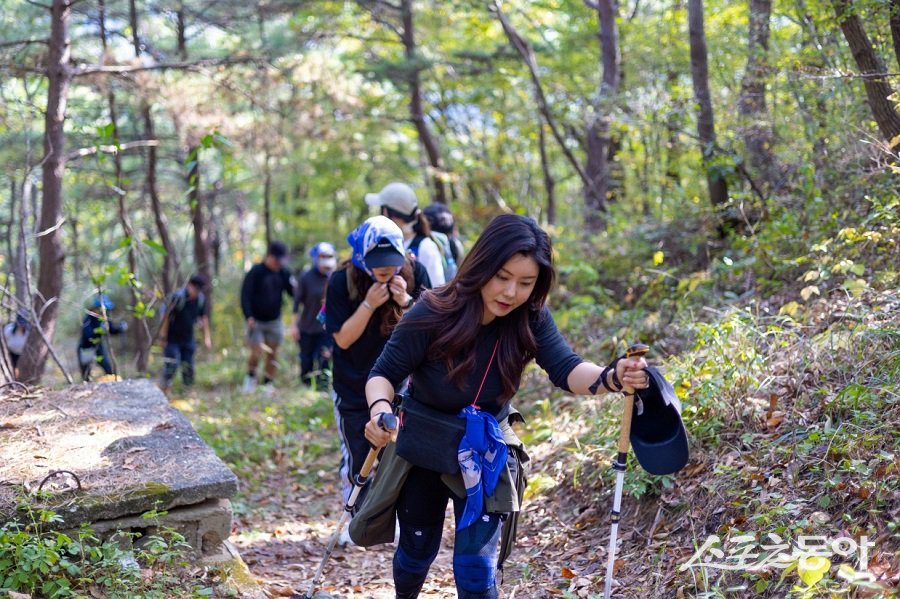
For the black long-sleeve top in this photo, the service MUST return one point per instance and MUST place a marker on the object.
(407, 354)
(261, 292)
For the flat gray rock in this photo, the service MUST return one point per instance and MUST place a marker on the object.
(129, 450)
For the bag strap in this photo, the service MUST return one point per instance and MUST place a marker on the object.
(486, 370)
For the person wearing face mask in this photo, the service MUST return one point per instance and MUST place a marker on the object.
(364, 301)
(315, 343)
(398, 202)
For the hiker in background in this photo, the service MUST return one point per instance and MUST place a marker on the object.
(465, 348)
(184, 310)
(442, 224)
(95, 328)
(261, 300)
(15, 334)
(365, 299)
(308, 330)
(398, 202)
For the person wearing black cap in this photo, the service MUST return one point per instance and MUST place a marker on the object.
(464, 348)
(185, 308)
(364, 301)
(442, 223)
(262, 293)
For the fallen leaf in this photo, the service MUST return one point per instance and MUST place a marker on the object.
(567, 573)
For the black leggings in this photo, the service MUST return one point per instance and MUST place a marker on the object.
(420, 510)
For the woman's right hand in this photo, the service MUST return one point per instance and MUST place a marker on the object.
(377, 294)
(377, 436)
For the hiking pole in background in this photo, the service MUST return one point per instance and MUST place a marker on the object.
(635, 351)
(388, 422)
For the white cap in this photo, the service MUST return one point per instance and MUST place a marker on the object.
(396, 196)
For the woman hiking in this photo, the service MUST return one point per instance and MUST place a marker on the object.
(364, 301)
(464, 347)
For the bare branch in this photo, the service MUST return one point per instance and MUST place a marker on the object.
(165, 66)
(112, 149)
(591, 4)
(39, 5)
(24, 42)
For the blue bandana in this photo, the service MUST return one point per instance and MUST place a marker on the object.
(482, 457)
(364, 238)
(320, 248)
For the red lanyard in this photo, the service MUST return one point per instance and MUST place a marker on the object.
(484, 378)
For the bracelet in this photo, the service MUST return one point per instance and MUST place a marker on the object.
(368, 305)
(377, 401)
(410, 303)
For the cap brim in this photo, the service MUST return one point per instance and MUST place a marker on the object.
(373, 199)
(377, 259)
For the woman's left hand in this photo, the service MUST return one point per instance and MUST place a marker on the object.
(397, 287)
(631, 373)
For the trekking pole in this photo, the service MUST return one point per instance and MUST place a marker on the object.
(388, 422)
(619, 464)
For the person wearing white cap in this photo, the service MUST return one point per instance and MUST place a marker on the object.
(398, 202)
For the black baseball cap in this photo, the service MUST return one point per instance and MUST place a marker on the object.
(384, 253)
(658, 436)
(278, 249)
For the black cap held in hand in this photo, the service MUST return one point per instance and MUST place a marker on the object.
(658, 436)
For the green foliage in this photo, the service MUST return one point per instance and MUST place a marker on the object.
(37, 559)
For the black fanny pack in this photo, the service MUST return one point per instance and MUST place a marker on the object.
(429, 438)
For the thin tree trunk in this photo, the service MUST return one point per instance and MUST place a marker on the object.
(267, 199)
(142, 339)
(757, 131)
(526, 53)
(50, 241)
(706, 130)
(895, 28)
(180, 31)
(198, 219)
(150, 179)
(596, 195)
(878, 89)
(416, 112)
(549, 181)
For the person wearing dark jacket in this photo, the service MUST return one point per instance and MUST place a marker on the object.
(262, 293)
(366, 298)
(465, 347)
(308, 329)
(95, 327)
(184, 310)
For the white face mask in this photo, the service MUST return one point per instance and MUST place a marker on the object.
(328, 263)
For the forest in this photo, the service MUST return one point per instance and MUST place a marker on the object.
(719, 180)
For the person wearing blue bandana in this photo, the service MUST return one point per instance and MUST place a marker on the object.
(365, 299)
(308, 329)
(464, 348)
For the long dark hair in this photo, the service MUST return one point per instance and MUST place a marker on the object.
(457, 308)
(389, 312)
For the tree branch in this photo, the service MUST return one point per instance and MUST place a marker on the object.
(23, 43)
(164, 66)
(112, 149)
(591, 4)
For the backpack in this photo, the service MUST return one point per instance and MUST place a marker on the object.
(180, 299)
(444, 247)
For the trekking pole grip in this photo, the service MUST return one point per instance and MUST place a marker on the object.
(387, 422)
(635, 351)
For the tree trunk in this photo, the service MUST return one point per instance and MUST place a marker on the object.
(142, 338)
(50, 246)
(198, 219)
(706, 130)
(180, 33)
(878, 90)
(596, 195)
(758, 135)
(549, 181)
(150, 180)
(416, 112)
(267, 199)
(895, 28)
